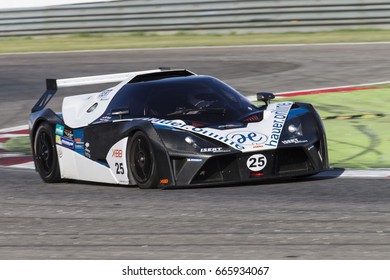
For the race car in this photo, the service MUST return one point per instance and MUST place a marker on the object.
(171, 127)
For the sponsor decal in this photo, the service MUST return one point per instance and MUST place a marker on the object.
(104, 95)
(294, 141)
(214, 150)
(279, 118)
(117, 153)
(195, 159)
(164, 181)
(262, 135)
(79, 147)
(79, 141)
(248, 138)
(87, 151)
(59, 129)
(105, 119)
(258, 147)
(66, 142)
(68, 133)
(256, 162)
(211, 133)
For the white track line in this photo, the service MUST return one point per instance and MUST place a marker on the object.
(330, 88)
(27, 165)
(355, 173)
(254, 97)
(15, 128)
(12, 135)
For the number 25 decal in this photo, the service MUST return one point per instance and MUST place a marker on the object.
(119, 168)
(256, 162)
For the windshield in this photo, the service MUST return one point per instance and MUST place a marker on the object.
(196, 98)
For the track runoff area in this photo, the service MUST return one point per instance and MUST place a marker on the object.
(356, 129)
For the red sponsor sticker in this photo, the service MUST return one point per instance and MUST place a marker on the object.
(117, 153)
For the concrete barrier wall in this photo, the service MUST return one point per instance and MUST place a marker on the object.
(212, 16)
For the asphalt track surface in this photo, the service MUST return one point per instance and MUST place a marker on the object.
(333, 218)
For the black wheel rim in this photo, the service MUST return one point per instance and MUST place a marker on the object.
(142, 162)
(44, 152)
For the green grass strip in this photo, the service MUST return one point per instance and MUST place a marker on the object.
(18, 145)
(360, 136)
(98, 41)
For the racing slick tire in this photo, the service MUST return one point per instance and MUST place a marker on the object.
(45, 154)
(143, 161)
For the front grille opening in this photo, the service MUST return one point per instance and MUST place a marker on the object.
(218, 169)
(178, 164)
(292, 161)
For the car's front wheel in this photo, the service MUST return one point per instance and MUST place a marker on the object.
(45, 154)
(142, 161)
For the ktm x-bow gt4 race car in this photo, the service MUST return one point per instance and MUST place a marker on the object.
(165, 128)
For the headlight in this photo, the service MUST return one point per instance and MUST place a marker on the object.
(299, 128)
(191, 142)
(184, 142)
(295, 130)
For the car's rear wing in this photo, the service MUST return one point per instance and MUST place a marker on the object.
(52, 85)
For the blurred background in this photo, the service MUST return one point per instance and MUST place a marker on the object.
(216, 16)
(180, 17)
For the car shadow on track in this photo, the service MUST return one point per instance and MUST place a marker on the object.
(326, 175)
(330, 174)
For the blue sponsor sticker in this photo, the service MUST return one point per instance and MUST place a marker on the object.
(79, 141)
(66, 142)
(60, 129)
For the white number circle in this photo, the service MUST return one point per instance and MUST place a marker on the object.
(256, 162)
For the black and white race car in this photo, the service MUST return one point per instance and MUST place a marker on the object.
(164, 128)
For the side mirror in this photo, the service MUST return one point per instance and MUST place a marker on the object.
(265, 97)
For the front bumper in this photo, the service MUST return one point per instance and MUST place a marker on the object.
(233, 167)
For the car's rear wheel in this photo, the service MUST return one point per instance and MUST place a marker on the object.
(45, 154)
(142, 161)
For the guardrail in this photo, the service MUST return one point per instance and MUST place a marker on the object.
(213, 16)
